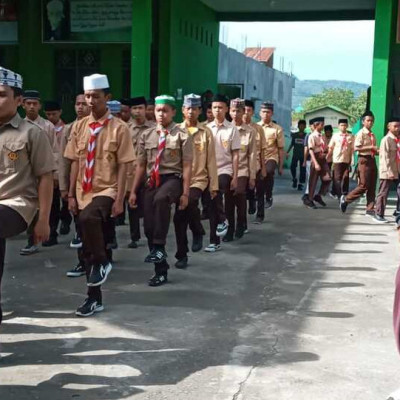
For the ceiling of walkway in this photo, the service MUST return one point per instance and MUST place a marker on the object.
(285, 10)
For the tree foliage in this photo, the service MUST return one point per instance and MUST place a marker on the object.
(342, 98)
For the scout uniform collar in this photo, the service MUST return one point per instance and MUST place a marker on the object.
(14, 121)
(168, 128)
(270, 123)
(101, 120)
(224, 123)
(135, 123)
(192, 129)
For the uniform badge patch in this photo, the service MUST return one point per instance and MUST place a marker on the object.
(13, 156)
(225, 144)
(173, 153)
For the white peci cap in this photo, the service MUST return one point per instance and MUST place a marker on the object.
(10, 78)
(95, 81)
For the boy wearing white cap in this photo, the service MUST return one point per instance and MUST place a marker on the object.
(204, 174)
(26, 169)
(99, 147)
(165, 153)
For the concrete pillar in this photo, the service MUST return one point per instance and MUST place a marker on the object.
(385, 27)
(142, 28)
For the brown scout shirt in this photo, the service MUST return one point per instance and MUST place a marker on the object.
(25, 155)
(227, 140)
(247, 152)
(317, 143)
(275, 139)
(363, 138)
(341, 153)
(135, 131)
(388, 165)
(261, 144)
(113, 147)
(178, 148)
(204, 167)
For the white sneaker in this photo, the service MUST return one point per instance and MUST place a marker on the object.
(212, 248)
(222, 229)
(28, 250)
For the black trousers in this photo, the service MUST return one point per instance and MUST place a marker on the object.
(265, 186)
(237, 202)
(55, 212)
(218, 212)
(11, 224)
(135, 214)
(293, 169)
(188, 217)
(65, 215)
(94, 224)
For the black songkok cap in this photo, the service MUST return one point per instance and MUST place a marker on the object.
(138, 101)
(368, 114)
(220, 98)
(125, 102)
(302, 121)
(150, 102)
(249, 103)
(32, 95)
(328, 128)
(52, 105)
(319, 119)
(394, 119)
(343, 121)
(267, 105)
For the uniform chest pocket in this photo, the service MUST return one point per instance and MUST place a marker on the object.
(199, 145)
(172, 148)
(109, 151)
(244, 144)
(14, 156)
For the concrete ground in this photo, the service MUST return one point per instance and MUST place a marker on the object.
(298, 309)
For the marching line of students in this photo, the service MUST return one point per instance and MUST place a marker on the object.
(116, 155)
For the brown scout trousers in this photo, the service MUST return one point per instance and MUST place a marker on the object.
(11, 224)
(367, 174)
(323, 174)
(188, 217)
(238, 201)
(341, 178)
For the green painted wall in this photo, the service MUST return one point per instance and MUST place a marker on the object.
(36, 60)
(188, 47)
(384, 48)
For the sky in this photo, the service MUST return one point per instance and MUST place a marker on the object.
(317, 50)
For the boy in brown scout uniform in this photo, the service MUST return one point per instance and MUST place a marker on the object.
(165, 153)
(32, 105)
(247, 171)
(340, 153)
(204, 175)
(366, 145)
(81, 110)
(100, 149)
(137, 126)
(274, 158)
(261, 149)
(26, 169)
(227, 146)
(389, 167)
(318, 148)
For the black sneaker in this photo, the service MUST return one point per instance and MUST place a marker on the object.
(300, 187)
(380, 219)
(370, 213)
(343, 204)
(197, 244)
(294, 183)
(99, 274)
(239, 233)
(64, 228)
(76, 242)
(222, 229)
(112, 245)
(309, 204)
(133, 245)
(396, 213)
(158, 280)
(51, 242)
(78, 271)
(252, 208)
(88, 308)
(258, 220)
(156, 256)
(269, 203)
(182, 263)
(228, 238)
(319, 200)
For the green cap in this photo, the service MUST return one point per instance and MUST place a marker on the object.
(165, 99)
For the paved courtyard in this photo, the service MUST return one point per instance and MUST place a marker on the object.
(300, 309)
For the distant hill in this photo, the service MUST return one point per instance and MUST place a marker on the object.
(308, 88)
